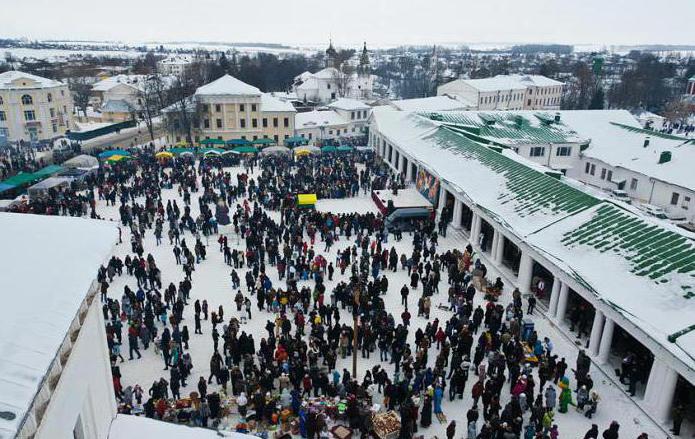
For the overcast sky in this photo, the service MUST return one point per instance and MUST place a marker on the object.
(349, 22)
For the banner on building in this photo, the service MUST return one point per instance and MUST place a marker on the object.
(428, 186)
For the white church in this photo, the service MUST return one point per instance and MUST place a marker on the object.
(334, 81)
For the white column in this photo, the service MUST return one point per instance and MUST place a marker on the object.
(475, 229)
(458, 211)
(654, 383)
(562, 302)
(408, 171)
(606, 341)
(663, 399)
(500, 250)
(525, 272)
(554, 296)
(493, 245)
(596, 329)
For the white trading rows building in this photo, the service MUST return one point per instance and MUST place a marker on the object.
(633, 274)
(507, 92)
(606, 149)
(33, 108)
(55, 372)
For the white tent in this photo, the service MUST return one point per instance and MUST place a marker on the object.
(82, 161)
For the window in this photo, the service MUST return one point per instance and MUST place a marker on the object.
(593, 170)
(609, 176)
(254, 123)
(674, 198)
(686, 203)
(253, 107)
(537, 151)
(55, 127)
(53, 112)
(352, 115)
(243, 137)
(302, 135)
(287, 136)
(49, 97)
(1, 101)
(330, 132)
(633, 184)
(529, 102)
(564, 151)
(275, 122)
(242, 123)
(2, 116)
(586, 168)
(364, 114)
(603, 173)
(255, 137)
(328, 86)
(29, 115)
(275, 137)
(286, 122)
(218, 108)
(241, 107)
(206, 123)
(27, 100)
(218, 123)
(265, 122)
(310, 136)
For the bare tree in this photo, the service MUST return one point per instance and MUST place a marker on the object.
(81, 90)
(151, 102)
(677, 111)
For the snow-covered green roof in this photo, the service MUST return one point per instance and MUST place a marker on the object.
(508, 128)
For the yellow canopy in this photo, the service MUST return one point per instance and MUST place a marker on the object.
(302, 151)
(164, 154)
(115, 158)
(306, 199)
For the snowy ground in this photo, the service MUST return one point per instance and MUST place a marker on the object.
(211, 281)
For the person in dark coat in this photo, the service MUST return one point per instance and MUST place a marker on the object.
(451, 430)
(426, 413)
(612, 431)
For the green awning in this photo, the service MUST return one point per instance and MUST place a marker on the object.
(238, 142)
(246, 149)
(344, 148)
(296, 140)
(329, 149)
(21, 179)
(48, 171)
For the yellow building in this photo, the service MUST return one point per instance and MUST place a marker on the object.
(228, 108)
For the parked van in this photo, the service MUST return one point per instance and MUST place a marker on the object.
(407, 218)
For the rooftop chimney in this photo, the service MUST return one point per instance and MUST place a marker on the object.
(646, 141)
(665, 157)
(557, 117)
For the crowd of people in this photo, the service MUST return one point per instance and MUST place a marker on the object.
(308, 277)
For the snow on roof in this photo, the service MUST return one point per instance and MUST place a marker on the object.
(348, 104)
(651, 279)
(7, 80)
(510, 82)
(227, 85)
(177, 60)
(510, 128)
(116, 106)
(271, 103)
(327, 73)
(129, 426)
(513, 193)
(107, 84)
(432, 103)
(311, 119)
(49, 263)
(618, 140)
